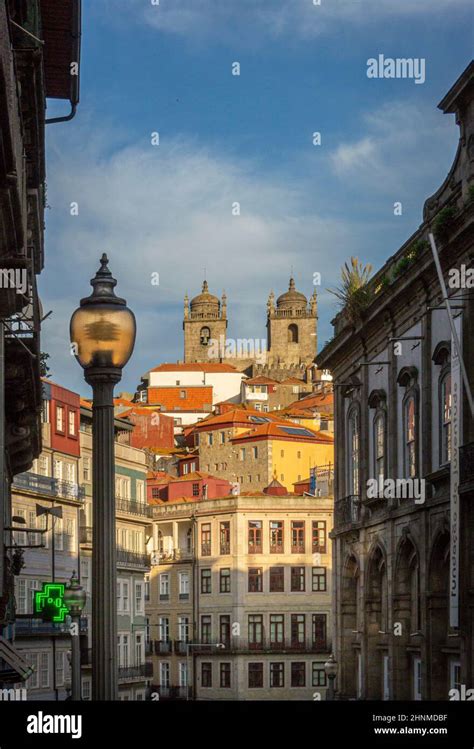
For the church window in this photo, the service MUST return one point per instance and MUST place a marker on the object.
(205, 336)
(292, 333)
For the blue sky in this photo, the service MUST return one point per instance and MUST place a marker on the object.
(167, 68)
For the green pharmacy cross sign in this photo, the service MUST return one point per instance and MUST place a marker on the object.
(49, 603)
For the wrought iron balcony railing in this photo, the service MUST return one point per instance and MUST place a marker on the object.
(133, 508)
(128, 558)
(35, 482)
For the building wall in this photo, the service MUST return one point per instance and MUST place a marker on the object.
(281, 350)
(174, 523)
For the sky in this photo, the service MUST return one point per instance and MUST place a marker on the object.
(166, 205)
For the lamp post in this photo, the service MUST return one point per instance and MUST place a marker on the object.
(75, 600)
(102, 336)
(330, 668)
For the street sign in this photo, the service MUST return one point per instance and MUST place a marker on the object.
(49, 603)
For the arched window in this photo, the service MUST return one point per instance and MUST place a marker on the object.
(353, 451)
(292, 333)
(410, 437)
(205, 336)
(445, 417)
(379, 444)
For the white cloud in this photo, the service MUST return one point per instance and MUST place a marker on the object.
(388, 155)
(220, 18)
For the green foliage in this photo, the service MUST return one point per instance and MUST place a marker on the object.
(444, 221)
(43, 365)
(353, 294)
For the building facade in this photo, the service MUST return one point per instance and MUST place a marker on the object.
(404, 520)
(240, 598)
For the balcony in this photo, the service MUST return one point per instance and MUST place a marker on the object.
(162, 647)
(225, 547)
(173, 693)
(253, 396)
(347, 510)
(172, 555)
(135, 559)
(206, 549)
(267, 646)
(133, 508)
(181, 647)
(45, 485)
(85, 534)
(130, 673)
(276, 548)
(466, 461)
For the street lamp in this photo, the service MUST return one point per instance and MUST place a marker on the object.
(330, 668)
(102, 336)
(75, 600)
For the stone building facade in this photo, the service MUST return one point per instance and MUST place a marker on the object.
(240, 598)
(404, 554)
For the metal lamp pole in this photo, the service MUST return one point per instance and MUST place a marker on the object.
(75, 600)
(102, 338)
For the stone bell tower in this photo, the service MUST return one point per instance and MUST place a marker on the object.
(205, 321)
(292, 328)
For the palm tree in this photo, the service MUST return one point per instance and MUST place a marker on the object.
(353, 294)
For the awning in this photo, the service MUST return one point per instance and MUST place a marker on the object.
(61, 32)
(17, 669)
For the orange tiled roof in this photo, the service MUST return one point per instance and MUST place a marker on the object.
(235, 416)
(197, 396)
(280, 431)
(261, 380)
(195, 367)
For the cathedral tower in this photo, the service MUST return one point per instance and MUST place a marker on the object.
(291, 328)
(205, 320)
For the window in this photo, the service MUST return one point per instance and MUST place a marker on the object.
(277, 579)
(222, 437)
(33, 681)
(206, 629)
(379, 445)
(182, 674)
(318, 675)
(224, 580)
(44, 670)
(224, 629)
(189, 540)
(242, 453)
(140, 491)
(210, 439)
(319, 537)
(195, 490)
(206, 539)
(58, 534)
(277, 630)
(59, 419)
(183, 628)
(255, 452)
(206, 581)
(155, 492)
(122, 487)
(282, 453)
(147, 587)
(45, 412)
(276, 537)
(292, 333)
(353, 451)
(164, 586)
(139, 649)
(319, 631)
(297, 537)
(139, 607)
(277, 674)
(319, 582)
(72, 423)
(410, 437)
(86, 469)
(86, 690)
(125, 598)
(69, 535)
(182, 394)
(255, 580)
(255, 622)
(164, 674)
(255, 675)
(206, 675)
(224, 675)
(183, 585)
(297, 579)
(298, 674)
(205, 336)
(255, 536)
(298, 631)
(445, 414)
(225, 537)
(43, 465)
